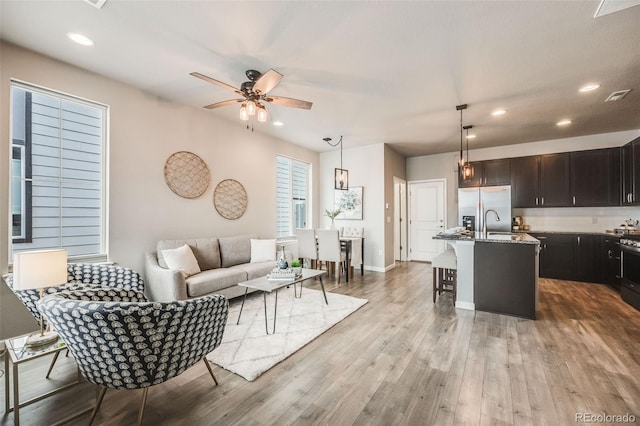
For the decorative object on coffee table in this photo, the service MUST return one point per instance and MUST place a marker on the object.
(296, 266)
(282, 262)
(230, 199)
(186, 174)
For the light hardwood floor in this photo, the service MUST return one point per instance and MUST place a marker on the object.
(400, 360)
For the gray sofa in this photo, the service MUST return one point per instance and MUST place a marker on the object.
(224, 262)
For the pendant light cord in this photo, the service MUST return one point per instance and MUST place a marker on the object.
(328, 140)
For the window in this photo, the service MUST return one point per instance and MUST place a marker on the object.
(57, 173)
(292, 195)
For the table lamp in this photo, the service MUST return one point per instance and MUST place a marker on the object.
(40, 269)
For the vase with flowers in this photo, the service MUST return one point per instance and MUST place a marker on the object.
(332, 214)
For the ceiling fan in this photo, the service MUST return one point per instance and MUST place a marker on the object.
(254, 92)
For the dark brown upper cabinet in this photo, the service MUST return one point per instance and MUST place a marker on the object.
(631, 173)
(595, 177)
(488, 173)
(525, 184)
(555, 180)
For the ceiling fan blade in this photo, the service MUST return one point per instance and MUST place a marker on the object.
(267, 81)
(216, 82)
(224, 103)
(289, 102)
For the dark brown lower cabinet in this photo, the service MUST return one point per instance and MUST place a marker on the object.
(505, 278)
(575, 257)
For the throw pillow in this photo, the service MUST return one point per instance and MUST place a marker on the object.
(263, 250)
(181, 259)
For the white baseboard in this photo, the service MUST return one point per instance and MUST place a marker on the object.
(469, 306)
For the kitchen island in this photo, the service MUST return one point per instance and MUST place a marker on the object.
(496, 272)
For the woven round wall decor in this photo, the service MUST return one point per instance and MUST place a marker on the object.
(186, 174)
(230, 199)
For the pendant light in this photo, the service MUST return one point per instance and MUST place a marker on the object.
(341, 176)
(461, 163)
(467, 169)
(251, 108)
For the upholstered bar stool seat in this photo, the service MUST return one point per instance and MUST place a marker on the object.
(445, 270)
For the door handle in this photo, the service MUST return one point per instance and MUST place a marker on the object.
(574, 200)
(542, 201)
(536, 201)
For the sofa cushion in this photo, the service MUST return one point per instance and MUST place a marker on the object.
(235, 250)
(181, 259)
(263, 250)
(213, 280)
(256, 269)
(206, 251)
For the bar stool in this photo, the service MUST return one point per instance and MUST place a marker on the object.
(445, 271)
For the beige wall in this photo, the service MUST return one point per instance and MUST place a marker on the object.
(144, 132)
(365, 169)
(394, 166)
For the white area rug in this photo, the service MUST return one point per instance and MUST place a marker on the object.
(248, 351)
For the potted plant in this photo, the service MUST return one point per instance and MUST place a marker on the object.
(332, 214)
(296, 266)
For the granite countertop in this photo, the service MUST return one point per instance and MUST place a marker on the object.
(607, 233)
(491, 237)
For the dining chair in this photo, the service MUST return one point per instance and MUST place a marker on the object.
(356, 249)
(329, 249)
(307, 248)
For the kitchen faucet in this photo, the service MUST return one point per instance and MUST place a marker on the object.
(484, 223)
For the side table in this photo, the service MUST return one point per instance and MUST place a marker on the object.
(18, 353)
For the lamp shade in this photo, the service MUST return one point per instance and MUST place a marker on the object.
(39, 269)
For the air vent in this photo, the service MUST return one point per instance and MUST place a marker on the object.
(96, 3)
(616, 96)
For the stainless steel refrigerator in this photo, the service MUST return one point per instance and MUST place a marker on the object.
(473, 204)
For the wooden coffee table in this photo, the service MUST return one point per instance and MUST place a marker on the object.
(265, 285)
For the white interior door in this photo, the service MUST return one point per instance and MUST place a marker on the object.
(427, 215)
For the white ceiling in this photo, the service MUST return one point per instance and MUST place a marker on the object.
(376, 72)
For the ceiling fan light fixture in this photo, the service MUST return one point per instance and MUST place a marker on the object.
(262, 114)
(251, 108)
(244, 114)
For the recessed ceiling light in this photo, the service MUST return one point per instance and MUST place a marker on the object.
(499, 112)
(472, 136)
(278, 123)
(589, 87)
(564, 122)
(80, 39)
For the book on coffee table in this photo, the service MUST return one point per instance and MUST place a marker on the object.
(281, 274)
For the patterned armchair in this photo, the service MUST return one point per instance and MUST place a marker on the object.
(122, 341)
(80, 275)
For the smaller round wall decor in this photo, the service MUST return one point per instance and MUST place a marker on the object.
(186, 174)
(230, 199)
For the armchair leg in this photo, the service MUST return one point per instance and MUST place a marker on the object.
(98, 403)
(206, 362)
(144, 400)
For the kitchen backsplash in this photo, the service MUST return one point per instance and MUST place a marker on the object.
(577, 219)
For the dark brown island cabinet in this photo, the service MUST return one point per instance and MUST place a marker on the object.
(505, 278)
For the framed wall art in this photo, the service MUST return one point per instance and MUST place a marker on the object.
(349, 202)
